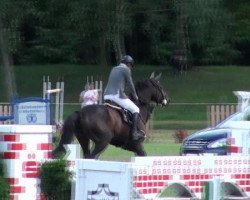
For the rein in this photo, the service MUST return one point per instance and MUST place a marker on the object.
(148, 108)
(146, 104)
(157, 86)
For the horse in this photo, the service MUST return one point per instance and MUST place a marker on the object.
(104, 124)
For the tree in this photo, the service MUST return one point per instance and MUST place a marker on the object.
(240, 37)
(91, 32)
(206, 24)
(152, 29)
(7, 72)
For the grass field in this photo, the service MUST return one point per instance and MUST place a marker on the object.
(159, 143)
(200, 85)
(152, 149)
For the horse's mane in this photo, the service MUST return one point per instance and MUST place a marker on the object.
(141, 90)
(140, 85)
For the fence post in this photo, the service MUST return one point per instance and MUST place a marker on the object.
(217, 113)
(6, 113)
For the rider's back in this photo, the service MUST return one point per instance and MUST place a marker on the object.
(118, 78)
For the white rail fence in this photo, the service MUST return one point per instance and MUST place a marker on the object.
(217, 113)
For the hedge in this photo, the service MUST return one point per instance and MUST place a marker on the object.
(55, 180)
(4, 186)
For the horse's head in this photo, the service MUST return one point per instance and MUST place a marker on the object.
(151, 90)
(159, 95)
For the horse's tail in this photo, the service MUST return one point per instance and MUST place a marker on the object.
(69, 128)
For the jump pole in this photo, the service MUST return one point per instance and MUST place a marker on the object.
(59, 97)
(46, 86)
(98, 85)
(61, 102)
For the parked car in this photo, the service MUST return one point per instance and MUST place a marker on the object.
(214, 140)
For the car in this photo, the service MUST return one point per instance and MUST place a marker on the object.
(215, 140)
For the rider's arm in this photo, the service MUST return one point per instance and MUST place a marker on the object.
(130, 84)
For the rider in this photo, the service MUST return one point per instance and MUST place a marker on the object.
(119, 79)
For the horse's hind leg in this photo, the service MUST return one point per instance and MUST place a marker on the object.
(98, 148)
(85, 144)
(100, 143)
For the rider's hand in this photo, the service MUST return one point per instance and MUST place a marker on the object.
(136, 97)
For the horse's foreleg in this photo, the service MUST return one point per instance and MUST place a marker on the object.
(139, 150)
(59, 150)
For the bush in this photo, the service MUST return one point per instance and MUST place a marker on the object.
(55, 180)
(180, 135)
(247, 117)
(4, 186)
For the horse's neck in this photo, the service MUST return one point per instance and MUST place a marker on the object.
(145, 112)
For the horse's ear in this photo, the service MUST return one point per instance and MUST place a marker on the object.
(152, 75)
(158, 77)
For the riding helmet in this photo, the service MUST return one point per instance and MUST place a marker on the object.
(127, 59)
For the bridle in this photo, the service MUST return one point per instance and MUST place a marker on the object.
(158, 88)
(159, 91)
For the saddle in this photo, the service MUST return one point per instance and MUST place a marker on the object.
(125, 114)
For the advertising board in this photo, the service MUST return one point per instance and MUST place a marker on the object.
(32, 111)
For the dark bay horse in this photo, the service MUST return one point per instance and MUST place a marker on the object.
(104, 124)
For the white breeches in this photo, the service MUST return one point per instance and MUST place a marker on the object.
(125, 103)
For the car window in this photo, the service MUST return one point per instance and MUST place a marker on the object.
(240, 116)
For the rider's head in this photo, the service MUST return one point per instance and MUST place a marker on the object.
(127, 60)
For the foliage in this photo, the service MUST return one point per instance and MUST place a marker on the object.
(4, 186)
(1, 167)
(180, 135)
(91, 32)
(241, 30)
(247, 117)
(55, 179)
(207, 29)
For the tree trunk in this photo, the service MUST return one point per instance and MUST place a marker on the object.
(102, 54)
(118, 43)
(7, 70)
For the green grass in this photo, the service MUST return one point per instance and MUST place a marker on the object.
(152, 149)
(158, 143)
(201, 85)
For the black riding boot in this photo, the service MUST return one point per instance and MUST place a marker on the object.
(135, 134)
